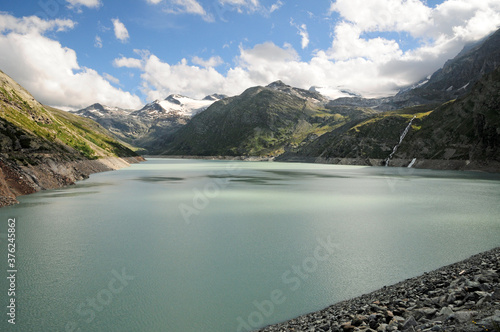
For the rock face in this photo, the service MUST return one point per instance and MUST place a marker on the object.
(49, 173)
(44, 148)
(460, 297)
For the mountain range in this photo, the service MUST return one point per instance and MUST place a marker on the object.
(160, 117)
(289, 123)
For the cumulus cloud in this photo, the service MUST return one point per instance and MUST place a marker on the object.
(111, 78)
(127, 62)
(121, 32)
(50, 71)
(372, 66)
(440, 33)
(212, 62)
(384, 15)
(32, 24)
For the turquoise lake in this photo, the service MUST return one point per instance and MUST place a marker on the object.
(198, 245)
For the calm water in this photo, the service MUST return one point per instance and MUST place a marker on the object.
(190, 245)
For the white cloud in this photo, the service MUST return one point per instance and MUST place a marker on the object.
(251, 6)
(111, 78)
(127, 63)
(160, 79)
(154, 2)
(32, 24)
(275, 6)
(372, 66)
(439, 33)
(302, 31)
(98, 42)
(384, 15)
(86, 3)
(50, 71)
(240, 5)
(186, 7)
(121, 32)
(348, 44)
(212, 62)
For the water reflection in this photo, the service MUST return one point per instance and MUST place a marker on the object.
(159, 179)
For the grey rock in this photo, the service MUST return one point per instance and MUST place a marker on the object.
(409, 323)
(462, 316)
(382, 328)
(446, 311)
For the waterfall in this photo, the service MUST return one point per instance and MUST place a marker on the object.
(401, 138)
(412, 162)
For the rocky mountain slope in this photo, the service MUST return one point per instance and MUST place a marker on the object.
(460, 134)
(42, 147)
(141, 127)
(261, 121)
(456, 78)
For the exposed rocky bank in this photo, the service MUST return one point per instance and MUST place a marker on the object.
(50, 173)
(464, 296)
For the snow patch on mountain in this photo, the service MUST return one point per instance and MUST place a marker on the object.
(333, 93)
(177, 105)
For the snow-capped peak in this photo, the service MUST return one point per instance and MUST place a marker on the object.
(177, 105)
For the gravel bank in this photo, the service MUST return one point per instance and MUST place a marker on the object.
(464, 296)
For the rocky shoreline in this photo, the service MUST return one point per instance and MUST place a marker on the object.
(456, 165)
(51, 173)
(463, 297)
(239, 158)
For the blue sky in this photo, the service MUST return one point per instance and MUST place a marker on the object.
(72, 53)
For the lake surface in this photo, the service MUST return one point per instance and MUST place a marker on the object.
(195, 245)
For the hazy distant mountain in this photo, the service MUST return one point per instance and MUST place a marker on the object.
(261, 121)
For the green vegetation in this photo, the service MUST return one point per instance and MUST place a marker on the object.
(28, 129)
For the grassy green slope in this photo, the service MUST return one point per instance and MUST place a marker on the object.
(29, 129)
(367, 138)
(466, 129)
